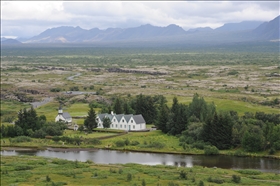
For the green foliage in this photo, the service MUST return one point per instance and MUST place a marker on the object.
(118, 107)
(106, 122)
(120, 143)
(236, 179)
(20, 139)
(74, 88)
(201, 183)
(218, 130)
(183, 174)
(215, 180)
(253, 140)
(233, 72)
(134, 143)
(129, 177)
(57, 89)
(211, 150)
(250, 172)
(48, 179)
(90, 122)
(156, 145)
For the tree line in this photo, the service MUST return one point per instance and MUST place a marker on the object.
(199, 123)
(28, 123)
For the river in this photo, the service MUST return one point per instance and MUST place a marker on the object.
(119, 157)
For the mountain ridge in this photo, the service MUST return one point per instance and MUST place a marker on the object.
(246, 30)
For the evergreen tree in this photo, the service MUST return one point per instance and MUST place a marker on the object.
(145, 105)
(90, 121)
(162, 120)
(127, 108)
(118, 108)
(218, 130)
(198, 108)
(106, 122)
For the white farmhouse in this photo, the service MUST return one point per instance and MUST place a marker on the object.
(63, 116)
(123, 122)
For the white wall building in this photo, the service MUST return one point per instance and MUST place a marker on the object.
(123, 122)
(63, 116)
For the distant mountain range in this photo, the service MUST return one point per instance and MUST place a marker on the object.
(230, 32)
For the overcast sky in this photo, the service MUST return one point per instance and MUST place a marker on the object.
(30, 18)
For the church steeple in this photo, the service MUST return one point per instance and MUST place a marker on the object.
(60, 111)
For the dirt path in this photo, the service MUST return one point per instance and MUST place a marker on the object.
(45, 101)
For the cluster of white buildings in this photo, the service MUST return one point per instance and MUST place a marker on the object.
(123, 122)
(128, 122)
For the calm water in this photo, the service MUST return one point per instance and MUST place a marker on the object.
(111, 156)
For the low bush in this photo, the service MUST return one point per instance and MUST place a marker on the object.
(236, 179)
(94, 141)
(199, 145)
(215, 180)
(134, 143)
(20, 139)
(120, 143)
(211, 150)
(157, 145)
(248, 171)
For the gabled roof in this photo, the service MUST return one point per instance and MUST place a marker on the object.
(127, 117)
(101, 116)
(139, 119)
(110, 116)
(66, 115)
(119, 117)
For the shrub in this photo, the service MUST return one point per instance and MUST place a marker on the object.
(211, 150)
(233, 72)
(248, 171)
(157, 145)
(215, 180)
(48, 179)
(20, 139)
(183, 175)
(134, 143)
(120, 143)
(126, 141)
(94, 141)
(236, 179)
(201, 183)
(199, 145)
(129, 177)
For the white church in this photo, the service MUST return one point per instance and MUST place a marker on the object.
(123, 122)
(63, 116)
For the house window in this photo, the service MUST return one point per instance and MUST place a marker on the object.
(114, 120)
(133, 126)
(124, 126)
(121, 126)
(131, 121)
(123, 120)
(116, 126)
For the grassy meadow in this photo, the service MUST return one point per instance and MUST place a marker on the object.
(23, 170)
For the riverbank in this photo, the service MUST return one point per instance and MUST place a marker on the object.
(67, 149)
(24, 170)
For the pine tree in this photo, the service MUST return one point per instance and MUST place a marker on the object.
(90, 121)
(118, 108)
(106, 122)
(162, 120)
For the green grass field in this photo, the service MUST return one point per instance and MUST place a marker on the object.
(227, 104)
(24, 170)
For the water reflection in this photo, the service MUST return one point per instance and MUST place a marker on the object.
(113, 157)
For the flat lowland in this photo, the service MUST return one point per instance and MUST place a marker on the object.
(24, 170)
(241, 81)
